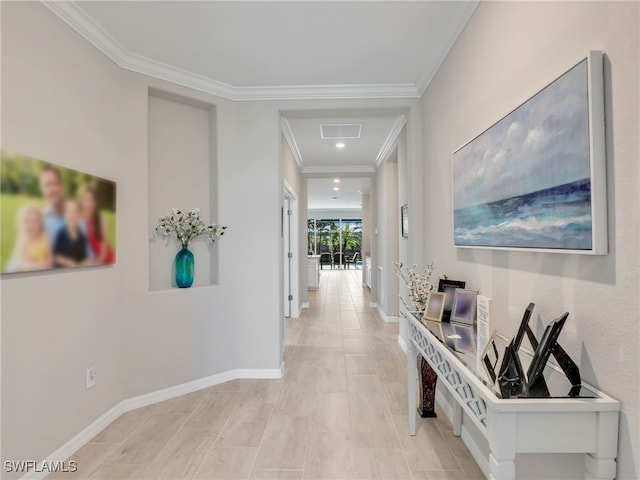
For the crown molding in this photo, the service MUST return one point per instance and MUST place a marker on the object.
(400, 122)
(293, 145)
(333, 169)
(429, 73)
(85, 26)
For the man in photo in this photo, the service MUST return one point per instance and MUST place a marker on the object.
(53, 210)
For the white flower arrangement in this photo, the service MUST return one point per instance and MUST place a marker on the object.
(187, 226)
(418, 284)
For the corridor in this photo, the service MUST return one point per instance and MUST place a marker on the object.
(340, 412)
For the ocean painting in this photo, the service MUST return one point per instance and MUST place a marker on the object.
(526, 181)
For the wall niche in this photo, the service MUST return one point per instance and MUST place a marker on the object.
(183, 175)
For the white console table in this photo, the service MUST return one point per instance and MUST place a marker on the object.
(520, 425)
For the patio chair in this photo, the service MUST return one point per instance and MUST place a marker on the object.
(325, 259)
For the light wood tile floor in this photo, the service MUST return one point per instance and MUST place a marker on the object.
(338, 413)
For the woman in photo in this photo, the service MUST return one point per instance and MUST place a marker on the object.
(32, 250)
(95, 226)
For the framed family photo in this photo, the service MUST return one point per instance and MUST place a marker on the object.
(54, 217)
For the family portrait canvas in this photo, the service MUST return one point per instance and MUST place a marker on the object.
(535, 180)
(54, 217)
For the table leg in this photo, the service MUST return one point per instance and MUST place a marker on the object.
(601, 465)
(428, 378)
(412, 374)
(457, 419)
(598, 468)
(501, 469)
(502, 445)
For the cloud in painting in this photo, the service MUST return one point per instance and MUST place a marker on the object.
(541, 144)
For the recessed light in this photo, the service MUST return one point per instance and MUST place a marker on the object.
(336, 180)
(340, 145)
(335, 189)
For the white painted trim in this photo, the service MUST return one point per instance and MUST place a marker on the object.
(330, 169)
(84, 436)
(291, 140)
(446, 407)
(294, 248)
(400, 122)
(82, 23)
(467, 438)
(387, 318)
(402, 343)
(475, 451)
(429, 73)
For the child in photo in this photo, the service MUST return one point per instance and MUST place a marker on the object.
(32, 250)
(70, 248)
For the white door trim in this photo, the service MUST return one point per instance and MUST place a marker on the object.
(291, 194)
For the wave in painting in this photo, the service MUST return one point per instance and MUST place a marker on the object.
(556, 217)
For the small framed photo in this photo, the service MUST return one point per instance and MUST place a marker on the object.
(435, 328)
(448, 287)
(464, 306)
(490, 358)
(464, 338)
(404, 220)
(435, 307)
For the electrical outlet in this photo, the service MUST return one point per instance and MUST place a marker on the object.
(91, 377)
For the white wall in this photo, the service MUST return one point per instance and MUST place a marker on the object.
(507, 52)
(320, 214)
(64, 102)
(403, 242)
(291, 173)
(366, 233)
(54, 325)
(180, 162)
(386, 239)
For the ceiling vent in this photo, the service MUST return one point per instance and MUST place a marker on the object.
(341, 130)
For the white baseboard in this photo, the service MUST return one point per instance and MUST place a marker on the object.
(446, 407)
(387, 318)
(467, 438)
(402, 343)
(70, 447)
(475, 451)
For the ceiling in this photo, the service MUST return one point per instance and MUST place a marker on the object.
(276, 49)
(378, 129)
(266, 50)
(321, 193)
(319, 158)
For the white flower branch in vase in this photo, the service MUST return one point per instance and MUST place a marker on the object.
(187, 226)
(419, 286)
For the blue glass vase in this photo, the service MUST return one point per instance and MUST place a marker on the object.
(184, 268)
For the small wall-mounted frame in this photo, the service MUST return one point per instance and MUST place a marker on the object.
(464, 306)
(404, 220)
(435, 307)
